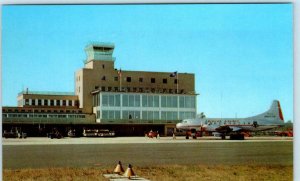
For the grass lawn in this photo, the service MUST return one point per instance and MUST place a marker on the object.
(160, 173)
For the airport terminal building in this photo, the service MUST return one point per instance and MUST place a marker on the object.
(128, 102)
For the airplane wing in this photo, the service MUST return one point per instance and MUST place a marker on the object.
(227, 129)
(234, 128)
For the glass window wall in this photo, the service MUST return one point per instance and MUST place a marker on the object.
(169, 101)
(187, 102)
(150, 101)
(111, 100)
(110, 114)
(131, 114)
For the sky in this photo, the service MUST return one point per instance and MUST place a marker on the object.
(241, 54)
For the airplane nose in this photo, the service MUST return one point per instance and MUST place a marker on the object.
(178, 125)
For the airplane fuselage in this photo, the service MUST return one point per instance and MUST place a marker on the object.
(211, 124)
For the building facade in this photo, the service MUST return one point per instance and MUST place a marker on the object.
(108, 97)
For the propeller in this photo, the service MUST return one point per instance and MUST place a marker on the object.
(255, 125)
(202, 126)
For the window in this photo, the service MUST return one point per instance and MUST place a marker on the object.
(116, 78)
(152, 80)
(169, 101)
(33, 102)
(109, 88)
(103, 66)
(46, 102)
(150, 115)
(125, 100)
(131, 100)
(102, 88)
(96, 87)
(150, 101)
(77, 103)
(117, 100)
(70, 102)
(165, 81)
(57, 102)
(105, 100)
(137, 101)
(111, 100)
(51, 102)
(64, 102)
(104, 114)
(175, 81)
(141, 90)
(187, 102)
(103, 78)
(140, 79)
(26, 101)
(98, 114)
(128, 79)
(116, 89)
(131, 114)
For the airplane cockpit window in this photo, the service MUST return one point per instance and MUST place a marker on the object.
(184, 121)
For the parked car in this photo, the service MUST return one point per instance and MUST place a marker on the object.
(55, 134)
(14, 133)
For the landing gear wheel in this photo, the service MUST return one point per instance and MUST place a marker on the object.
(223, 136)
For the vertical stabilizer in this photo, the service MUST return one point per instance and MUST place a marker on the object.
(274, 112)
(280, 112)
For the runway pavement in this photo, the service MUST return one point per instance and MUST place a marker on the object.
(141, 151)
(130, 140)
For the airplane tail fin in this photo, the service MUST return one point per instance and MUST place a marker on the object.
(274, 112)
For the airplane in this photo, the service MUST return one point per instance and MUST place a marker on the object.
(234, 126)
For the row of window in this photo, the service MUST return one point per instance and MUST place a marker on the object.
(139, 89)
(22, 115)
(146, 115)
(113, 100)
(49, 102)
(141, 79)
(41, 111)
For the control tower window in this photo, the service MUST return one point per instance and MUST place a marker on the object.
(128, 79)
(152, 80)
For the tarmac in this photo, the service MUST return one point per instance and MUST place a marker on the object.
(142, 151)
(131, 140)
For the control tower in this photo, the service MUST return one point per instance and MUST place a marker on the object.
(99, 51)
